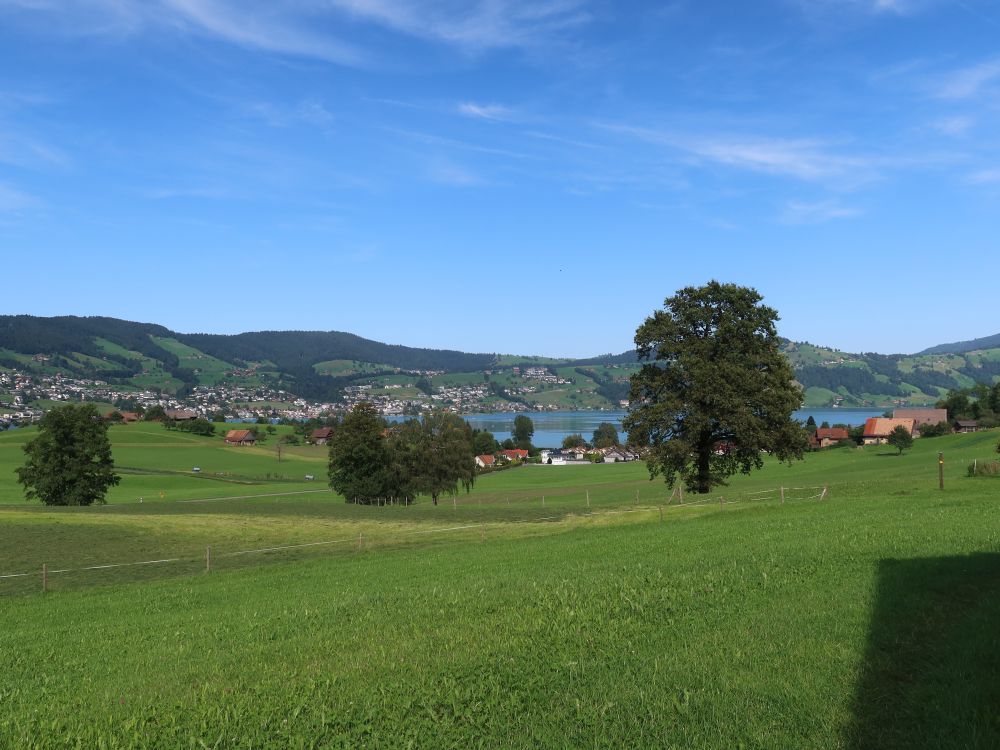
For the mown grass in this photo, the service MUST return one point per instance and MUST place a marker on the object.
(866, 620)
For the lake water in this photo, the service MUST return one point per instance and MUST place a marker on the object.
(552, 426)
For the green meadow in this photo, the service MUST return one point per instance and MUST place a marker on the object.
(601, 616)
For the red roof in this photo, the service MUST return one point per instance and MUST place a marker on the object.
(486, 460)
(238, 436)
(515, 454)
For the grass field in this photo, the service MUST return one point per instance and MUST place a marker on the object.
(866, 620)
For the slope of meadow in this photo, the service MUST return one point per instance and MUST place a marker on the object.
(867, 619)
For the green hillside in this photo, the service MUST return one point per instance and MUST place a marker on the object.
(321, 365)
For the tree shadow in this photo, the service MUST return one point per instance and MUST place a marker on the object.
(931, 676)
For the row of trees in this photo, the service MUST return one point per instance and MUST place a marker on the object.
(372, 462)
(605, 436)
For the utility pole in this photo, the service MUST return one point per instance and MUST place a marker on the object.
(940, 470)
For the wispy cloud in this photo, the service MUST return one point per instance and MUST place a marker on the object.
(473, 24)
(801, 212)
(969, 82)
(319, 29)
(14, 201)
(20, 150)
(485, 111)
(447, 172)
(307, 111)
(954, 126)
(264, 26)
(984, 177)
(802, 159)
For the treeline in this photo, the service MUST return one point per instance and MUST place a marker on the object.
(375, 463)
(293, 351)
(980, 402)
(854, 379)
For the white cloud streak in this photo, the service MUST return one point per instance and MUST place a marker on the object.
(802, 159)
(800, 212)
(969, 82)
(317, 28)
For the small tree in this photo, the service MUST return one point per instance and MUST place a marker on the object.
(523, 431)
(69, 462)
(900, 438)
(811, 422)
(571, 441)
(605, 436)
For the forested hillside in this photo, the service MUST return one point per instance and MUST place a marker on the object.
(318, 365)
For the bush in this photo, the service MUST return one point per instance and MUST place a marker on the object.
(935, 430)
(984, 469)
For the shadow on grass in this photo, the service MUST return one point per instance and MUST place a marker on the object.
(931, 676)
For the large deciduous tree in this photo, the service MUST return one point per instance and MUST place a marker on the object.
(359, 456)
(714, 391)
(446, 458)
(69, 461)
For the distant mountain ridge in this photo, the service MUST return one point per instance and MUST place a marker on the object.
(318, 365)
(963, 347)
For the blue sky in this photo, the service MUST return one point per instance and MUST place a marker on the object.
(524, 176)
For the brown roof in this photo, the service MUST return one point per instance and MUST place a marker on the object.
(922, 416)
(832, 433)
(515, 453)
(238, 436)
(322, 433)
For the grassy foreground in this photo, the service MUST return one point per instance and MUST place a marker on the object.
(867, 620)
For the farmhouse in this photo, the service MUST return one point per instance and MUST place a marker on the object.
(485, 461)
(322, 435)
(824, 437)
(966, 425)
(241, 437)
(878, 429)
(921, 416)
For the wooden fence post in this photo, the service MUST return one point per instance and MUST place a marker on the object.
(208, 558)
(543, 501)
(661, 514)
(588, 498)
(360, 541)
(45, 578)
(782, 495)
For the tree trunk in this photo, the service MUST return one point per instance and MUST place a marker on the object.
(704, 469)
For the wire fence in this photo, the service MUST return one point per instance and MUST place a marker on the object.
(48, 579)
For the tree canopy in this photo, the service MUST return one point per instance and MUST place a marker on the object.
(69, 462)
(372, 462)
(523, 431)
(900, 439)
(359, 456)
(572, 441)
(714, 390)
(605, 436)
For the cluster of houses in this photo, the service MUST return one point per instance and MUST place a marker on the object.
(511, 456)
(878, 429)
(580, 454)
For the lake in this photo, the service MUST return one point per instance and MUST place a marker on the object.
(552, 426)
